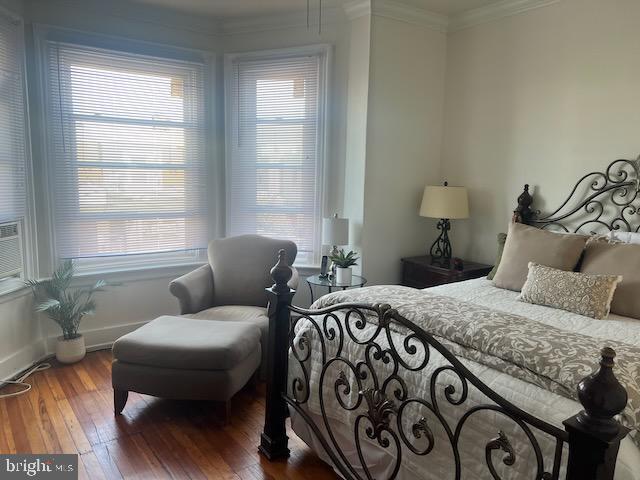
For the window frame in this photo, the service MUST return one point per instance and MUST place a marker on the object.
(129, 262)
(324, 51)
(26, 224)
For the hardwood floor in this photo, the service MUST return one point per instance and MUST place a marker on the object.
(70, 410)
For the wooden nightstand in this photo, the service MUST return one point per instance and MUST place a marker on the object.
(418, 272)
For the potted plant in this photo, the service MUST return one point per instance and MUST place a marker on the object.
(66, 307)
(343, 262)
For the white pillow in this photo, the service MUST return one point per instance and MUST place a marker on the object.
(624, 237)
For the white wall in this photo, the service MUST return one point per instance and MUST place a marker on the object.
(356, 128)
(14, 6)
(404, 131)
(540, 98)
(20, 334)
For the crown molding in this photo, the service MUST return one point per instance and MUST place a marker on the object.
(393, 9)
(409, 14)
(357, 8)
(495, 11)
(351, 9)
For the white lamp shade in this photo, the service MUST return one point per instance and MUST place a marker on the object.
(444, 202)
(335, 231)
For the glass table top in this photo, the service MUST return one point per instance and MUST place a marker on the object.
(356, 281)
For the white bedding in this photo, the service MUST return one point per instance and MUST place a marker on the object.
(480, 429)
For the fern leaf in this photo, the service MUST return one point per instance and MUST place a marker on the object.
(46, 305)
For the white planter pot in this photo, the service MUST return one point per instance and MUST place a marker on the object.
(343, 275)
(70, 351)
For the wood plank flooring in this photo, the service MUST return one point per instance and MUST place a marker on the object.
(70, 410)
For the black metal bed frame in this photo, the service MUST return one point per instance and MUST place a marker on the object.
(382, 400)
(600, 200)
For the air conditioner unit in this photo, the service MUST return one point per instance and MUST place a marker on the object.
(11, 260)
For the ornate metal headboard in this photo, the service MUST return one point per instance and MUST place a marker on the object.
(599, 202)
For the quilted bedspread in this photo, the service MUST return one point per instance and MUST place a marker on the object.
(548, 356)
(531, 355)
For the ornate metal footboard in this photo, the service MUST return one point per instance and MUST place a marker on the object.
(384, 407)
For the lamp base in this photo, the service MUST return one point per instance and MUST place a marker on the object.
(331, 274)
(441, 249)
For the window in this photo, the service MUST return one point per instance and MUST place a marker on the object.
(128, 156)
(276, 147)
(13, 153)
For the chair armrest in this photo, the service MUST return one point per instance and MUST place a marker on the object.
(194, 290)
(294, 280)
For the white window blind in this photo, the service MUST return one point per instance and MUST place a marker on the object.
(274, 166)
(12, 122)
(13, 154)
(129, 156)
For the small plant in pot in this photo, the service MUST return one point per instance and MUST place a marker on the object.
(343, 262)
(66, 307)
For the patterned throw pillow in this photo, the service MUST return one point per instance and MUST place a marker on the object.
(584, 294)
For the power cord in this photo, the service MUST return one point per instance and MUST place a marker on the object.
(21, 381)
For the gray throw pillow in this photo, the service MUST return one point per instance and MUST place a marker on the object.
(502, 237)
(529, 244)
(617, 259)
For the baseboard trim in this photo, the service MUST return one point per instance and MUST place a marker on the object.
(41, 350)
(17, 362)
(98, 337)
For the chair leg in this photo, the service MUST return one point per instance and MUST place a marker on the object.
(119, 400)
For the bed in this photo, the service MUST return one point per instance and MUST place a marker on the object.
(463, 381)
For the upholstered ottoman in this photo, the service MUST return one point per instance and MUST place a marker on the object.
(182, 358)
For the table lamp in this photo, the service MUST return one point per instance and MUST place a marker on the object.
(335, 232)
(444, 203)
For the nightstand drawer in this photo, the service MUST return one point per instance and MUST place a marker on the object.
(418, 272)
(416, 277)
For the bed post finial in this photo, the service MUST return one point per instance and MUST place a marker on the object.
(602, 395)
(281, 273)
(523, 212)
(274, 440)
(594, 433)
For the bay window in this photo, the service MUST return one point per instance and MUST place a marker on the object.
(275, 146)
(128, 156)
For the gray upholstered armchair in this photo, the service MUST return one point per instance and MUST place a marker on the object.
(231, 287)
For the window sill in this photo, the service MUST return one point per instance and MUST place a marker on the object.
(13, 293)
(306, 270)
(136, 273)
(129, 275)
(133, 274)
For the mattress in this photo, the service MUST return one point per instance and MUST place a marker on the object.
(482, 428)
